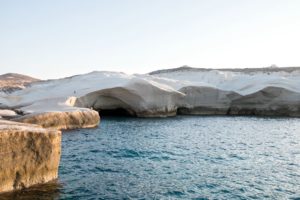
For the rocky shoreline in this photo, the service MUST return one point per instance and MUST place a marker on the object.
(30, 141)
(29, 155)
(30, 146)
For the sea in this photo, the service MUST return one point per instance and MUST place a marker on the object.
(182, 157)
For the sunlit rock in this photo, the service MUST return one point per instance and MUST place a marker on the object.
(29, 155)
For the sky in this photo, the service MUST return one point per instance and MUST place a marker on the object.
(58, 38)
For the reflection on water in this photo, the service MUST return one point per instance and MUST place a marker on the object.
(48, 191)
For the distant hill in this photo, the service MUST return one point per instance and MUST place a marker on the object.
(11, 81)
(270, 69)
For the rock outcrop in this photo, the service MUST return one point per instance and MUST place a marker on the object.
(140, 99)
(29, 155)
(63, 120)
(7, 114)
(270, 101)
(206, 101)
(56, 113)
(158, 94)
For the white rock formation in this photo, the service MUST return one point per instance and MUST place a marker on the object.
(206, 101)
(139, 97)
(4, 113)
(161, 93)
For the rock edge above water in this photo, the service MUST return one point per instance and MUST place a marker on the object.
(29, 155)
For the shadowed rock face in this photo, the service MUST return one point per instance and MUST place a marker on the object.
(110, 100)
(29, 155)
(192, 100)
(63, 120)
(47, 191)
(205, 101)
(269, 101)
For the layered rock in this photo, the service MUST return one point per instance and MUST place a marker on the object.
(137, 99)
(206, 101)
(29, 155)
(57, 113)
(272, 101)
(63, 120)
(163, 93)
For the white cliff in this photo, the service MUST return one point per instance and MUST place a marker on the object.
(162, 93)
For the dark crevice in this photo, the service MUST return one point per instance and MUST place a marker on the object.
(117, 112)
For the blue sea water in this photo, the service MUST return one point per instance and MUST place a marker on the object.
(179, 158)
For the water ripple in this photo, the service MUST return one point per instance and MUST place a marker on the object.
(182, 158)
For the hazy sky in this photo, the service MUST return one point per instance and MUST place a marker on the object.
(57, 38)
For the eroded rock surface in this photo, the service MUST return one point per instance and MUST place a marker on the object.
(162, 93)
(63, 120)
(29, 155)
(139, 99)
(272, 101)
(206, 101)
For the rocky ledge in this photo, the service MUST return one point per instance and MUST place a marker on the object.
(63, 120)
(30, 144)
(29, 155)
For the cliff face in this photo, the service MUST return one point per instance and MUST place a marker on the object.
(193, 100)
(29, 155)
(59, 102)
(271, 101)
(205, 101)
(138, 99)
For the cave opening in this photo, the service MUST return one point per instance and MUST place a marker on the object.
(118, 112)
